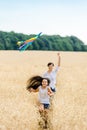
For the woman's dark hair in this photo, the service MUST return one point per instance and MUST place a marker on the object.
(35, 81)
(50, 63)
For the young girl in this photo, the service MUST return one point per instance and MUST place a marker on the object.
(41, 85)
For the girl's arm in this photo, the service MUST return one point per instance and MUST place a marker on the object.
(50, 93)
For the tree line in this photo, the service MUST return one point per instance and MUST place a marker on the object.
(8, 41)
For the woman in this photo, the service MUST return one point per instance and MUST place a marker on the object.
(52, 73)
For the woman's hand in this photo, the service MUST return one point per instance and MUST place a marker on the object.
(58, 54)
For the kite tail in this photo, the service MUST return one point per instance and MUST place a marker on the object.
(25, 46)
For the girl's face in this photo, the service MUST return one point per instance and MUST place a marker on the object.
(44, 82)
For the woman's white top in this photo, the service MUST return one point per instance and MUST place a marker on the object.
(52, 76)
(43, 95)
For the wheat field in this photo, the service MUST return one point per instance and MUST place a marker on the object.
(18, 107)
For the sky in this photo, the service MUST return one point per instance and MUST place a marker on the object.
(51, 17)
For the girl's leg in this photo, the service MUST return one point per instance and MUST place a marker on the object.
(41, 108)
(46, 118)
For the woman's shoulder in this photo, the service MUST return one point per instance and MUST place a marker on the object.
(56, 68)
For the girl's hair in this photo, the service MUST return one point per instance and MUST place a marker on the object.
(35, 81)
(50, 63)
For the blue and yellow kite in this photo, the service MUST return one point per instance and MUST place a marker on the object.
(23, 45)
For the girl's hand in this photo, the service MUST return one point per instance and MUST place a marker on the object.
(50, 93)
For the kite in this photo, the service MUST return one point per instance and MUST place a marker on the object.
(23, 45)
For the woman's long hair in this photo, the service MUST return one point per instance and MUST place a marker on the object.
(35, 81)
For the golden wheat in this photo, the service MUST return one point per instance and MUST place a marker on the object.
(18, 107)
